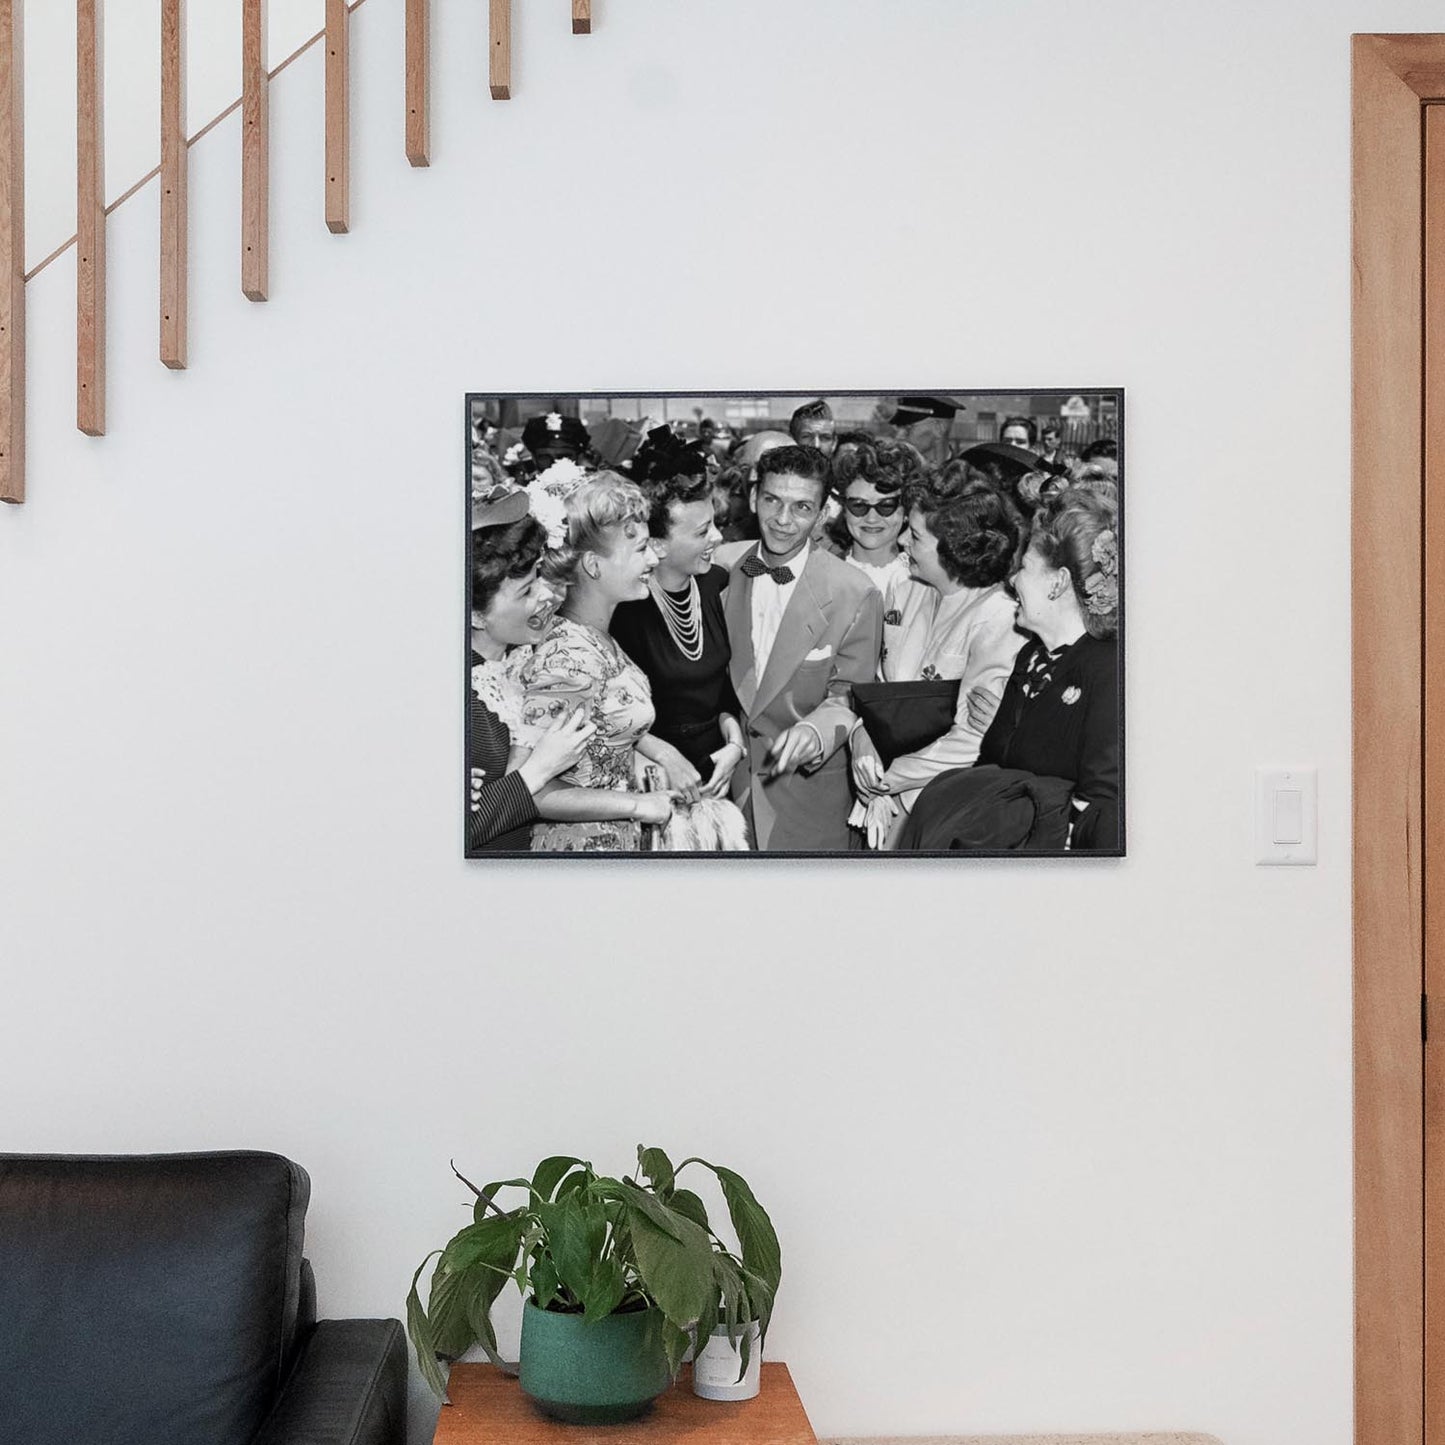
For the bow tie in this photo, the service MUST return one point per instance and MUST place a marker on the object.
(754, 566)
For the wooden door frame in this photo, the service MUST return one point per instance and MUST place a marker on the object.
(1393, 76)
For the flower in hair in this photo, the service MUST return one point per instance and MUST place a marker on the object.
(547, 497)
(1102, 593)
(1105, 552)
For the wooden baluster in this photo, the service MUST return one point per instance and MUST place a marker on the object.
(338, 116)
(582, 17)
(12, 253)
(501, 50)
(255, 155)
(174, 249)
(418, 82)
(90, 221)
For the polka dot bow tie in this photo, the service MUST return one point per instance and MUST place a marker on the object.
(754, 566)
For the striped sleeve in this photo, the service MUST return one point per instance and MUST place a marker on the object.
(498, 802)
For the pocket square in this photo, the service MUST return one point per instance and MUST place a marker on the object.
(819, 654)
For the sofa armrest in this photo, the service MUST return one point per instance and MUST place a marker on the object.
(348, 1388)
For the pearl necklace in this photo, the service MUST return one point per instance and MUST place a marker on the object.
(683, 619)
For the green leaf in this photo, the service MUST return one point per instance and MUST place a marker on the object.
(686, 1203)
(485, 1207)
(494, 1240)
(674, 1343)
(577, 1179)
(675, 1267)
(657, 1168)
(451, 1330)
(469, 1276)
(605, 1289)
(544, 1281)
(759, 1241)
(550, 1173)
(568, 1243)
(419, 1328)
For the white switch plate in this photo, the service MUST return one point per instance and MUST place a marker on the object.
(1286, 816)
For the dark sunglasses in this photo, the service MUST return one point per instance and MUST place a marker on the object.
(884, 506)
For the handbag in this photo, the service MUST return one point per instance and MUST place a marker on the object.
(902, 717)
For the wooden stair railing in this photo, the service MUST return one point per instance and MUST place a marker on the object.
(91, 209)
(12, 253)
(174, 227)
(89, 220)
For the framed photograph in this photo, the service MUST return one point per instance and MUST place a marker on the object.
(862, 624)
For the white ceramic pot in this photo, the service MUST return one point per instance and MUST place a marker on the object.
(716, 1368)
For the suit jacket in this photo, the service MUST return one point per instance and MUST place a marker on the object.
(829, 639)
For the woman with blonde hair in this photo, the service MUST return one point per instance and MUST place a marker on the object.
(599, 806)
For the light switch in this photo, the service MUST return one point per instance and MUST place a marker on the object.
(1285, 815)
(1288, 816)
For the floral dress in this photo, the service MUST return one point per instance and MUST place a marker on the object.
(576, 664)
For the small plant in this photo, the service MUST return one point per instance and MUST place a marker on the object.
(582, 1243)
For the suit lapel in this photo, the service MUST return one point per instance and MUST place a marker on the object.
(805, 618)
(739, 614)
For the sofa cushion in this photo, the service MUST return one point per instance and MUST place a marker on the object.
(148, 1298)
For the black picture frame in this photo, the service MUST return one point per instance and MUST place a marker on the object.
(979, 409)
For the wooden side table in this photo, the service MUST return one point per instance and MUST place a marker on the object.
(489, 1408)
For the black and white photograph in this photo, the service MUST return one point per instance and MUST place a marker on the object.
(795, 623)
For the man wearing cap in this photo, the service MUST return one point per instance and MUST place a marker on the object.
(553, 436)
(925, 422)
(803, 627)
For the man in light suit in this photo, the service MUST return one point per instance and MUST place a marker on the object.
(803, 627)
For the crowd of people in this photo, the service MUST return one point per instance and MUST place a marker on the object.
(816, 640)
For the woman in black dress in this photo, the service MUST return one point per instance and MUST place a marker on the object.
(678, 634)
(1056, 730)
(512, 606)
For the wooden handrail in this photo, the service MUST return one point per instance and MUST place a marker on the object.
(90, 221)
(338, 117)
(418, 82)
(174, 234)
(12, 252)
(255, 154)
(500, 50)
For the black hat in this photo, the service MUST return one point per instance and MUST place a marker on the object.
(1018, 460)
(665, 455)
(555, 433)
(921, 408)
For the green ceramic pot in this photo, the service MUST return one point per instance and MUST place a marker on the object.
(592, 1374)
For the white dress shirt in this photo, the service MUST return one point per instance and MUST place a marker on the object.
(770, 601)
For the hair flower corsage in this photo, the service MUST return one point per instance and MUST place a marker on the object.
(547, 495)
(1102, 585)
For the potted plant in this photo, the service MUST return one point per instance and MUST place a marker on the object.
(615, 1272)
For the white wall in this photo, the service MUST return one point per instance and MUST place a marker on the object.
(1048, 1146)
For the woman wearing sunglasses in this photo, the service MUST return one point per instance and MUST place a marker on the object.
(870, 479)
(957, 622)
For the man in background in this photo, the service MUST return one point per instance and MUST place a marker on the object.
(926, 423)
(812, 425)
